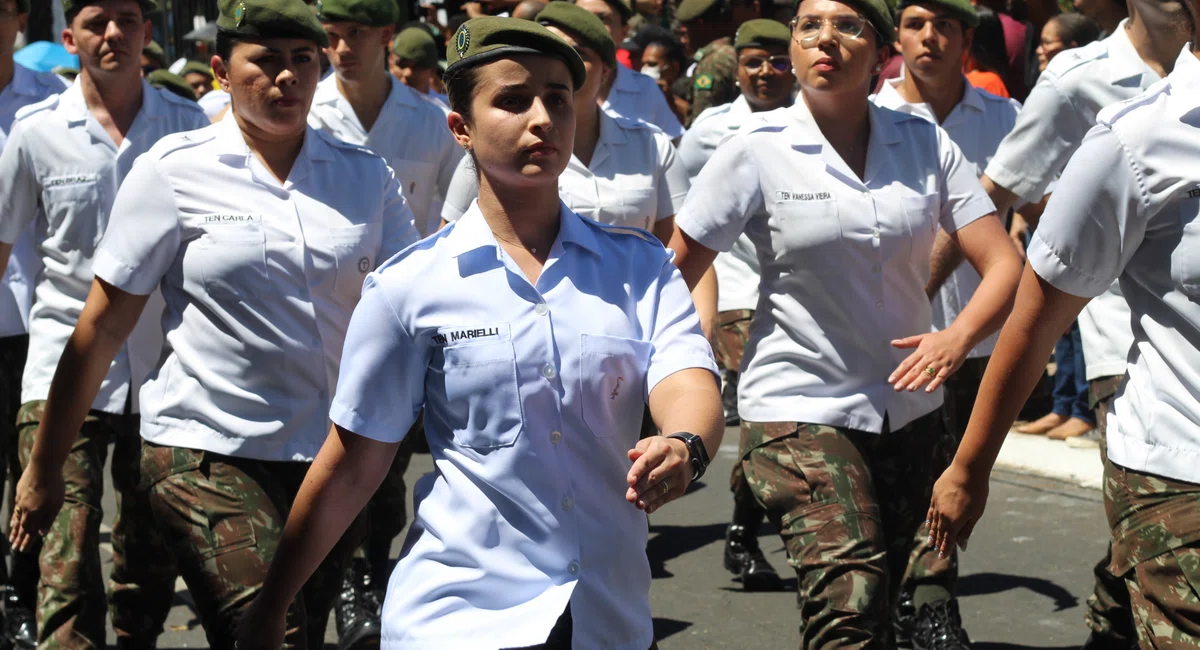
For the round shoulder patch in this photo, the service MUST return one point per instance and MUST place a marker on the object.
(704, 82)
(462, 41)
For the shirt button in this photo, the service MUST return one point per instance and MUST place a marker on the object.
(555, 437)
(573, 568)
(875, 233)
(548, 371)
(540, 309)
(879, 305)
(567, 504)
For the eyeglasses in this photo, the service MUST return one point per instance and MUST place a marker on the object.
(755, 64)
(806, 30)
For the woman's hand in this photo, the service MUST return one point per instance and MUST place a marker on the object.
(660, 474)
(263, 626)
(938, 355)
(957, 504)
(40, 494)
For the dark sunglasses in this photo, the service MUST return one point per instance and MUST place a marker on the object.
(754, 64)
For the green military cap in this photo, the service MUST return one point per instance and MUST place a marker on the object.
(155, 51)
(583, 25)
(70, 6)
(762, 33)
(270, 19)
(622, 6)
(197, 67)
(372, 13)
(963, 10)
(487, 38)
(416, 44)
(693, 9)
(170, 81)
(877, 14)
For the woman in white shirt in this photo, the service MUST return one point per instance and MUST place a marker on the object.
(839, 391)
(532, 338)
(623, 172)
(260, 255)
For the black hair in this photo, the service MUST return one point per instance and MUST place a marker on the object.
(225, 43)
(460, 88)
(655, 35)
(988, 48)
(1076, 30)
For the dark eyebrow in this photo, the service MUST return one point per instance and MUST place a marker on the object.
(557, 86)
(513, 87)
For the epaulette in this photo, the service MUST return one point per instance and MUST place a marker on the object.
(48, 104)
(1110, 114)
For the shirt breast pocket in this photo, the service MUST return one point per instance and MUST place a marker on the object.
(613, 384)
(921, 213)
(483, 404)
(233, 261)
(354, 250)
(638, 207)
(71, 214)
(807, 224)
(417, 179)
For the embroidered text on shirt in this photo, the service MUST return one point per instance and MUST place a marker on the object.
(459, 335)
(783, 195)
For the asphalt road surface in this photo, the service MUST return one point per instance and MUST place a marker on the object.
(1024, 582)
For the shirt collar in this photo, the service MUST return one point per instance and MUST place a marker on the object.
(234, 151)
(625, 82)
(883, 126)
(74, 106)
(889, 97)
(1124, 60)
(1186, 74)
(471, 232)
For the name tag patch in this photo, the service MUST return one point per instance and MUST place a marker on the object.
(784, 195)
(449, 336)
(74, 179)
(217, 219)
(1194, 193)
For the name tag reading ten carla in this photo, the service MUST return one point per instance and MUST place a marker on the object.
(452, 336)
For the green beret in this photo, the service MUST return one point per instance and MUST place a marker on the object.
(587, 30)
(487, 38)
(693, 9)
(622, 7)
(877, 14)
(963, 10)
(170, 81)
(197, 67)
(762, 33)
(270, 19)
(372, 13)
(70, 6)
(416, 44)
(155, 51)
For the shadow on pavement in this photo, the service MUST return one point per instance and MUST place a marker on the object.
(982, 584)
(1013, 646)
(670, 542)
(666, 627)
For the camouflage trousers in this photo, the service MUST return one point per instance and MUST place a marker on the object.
(925, 568)
(1108, 614)
(222, 517)
(847, 504)
(1155, 525)
(71, 594)
(732, 337)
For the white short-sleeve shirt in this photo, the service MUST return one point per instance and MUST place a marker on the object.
(1059, 111)
(977, 125)
(259, 277)
(638, 97)
(844, 262)
(737, 270)
(411, 135)
(635, 178)
(1128, 207)
(61, 172)
(16, 288)
(533, 395)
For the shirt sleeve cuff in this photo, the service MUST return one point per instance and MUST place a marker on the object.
(663, 368)
(1050, 267)
(346, 417)
(123, 276)
(974, 209)
(1018, 183)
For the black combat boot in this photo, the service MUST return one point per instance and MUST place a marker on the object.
(1097, 641)
(729, 399)
(938, 626)
(358, 625)
(743, 557)
(904, 617)
(20, 595)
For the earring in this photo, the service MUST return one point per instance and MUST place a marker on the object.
(877, 69)
(465, 146)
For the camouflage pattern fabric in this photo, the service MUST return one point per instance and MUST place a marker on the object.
(1108, 613)
(71, 594)
(222, 518)
(1155, 525)
(924, 565)
(732, 335)
(847, 504)
(714, 81)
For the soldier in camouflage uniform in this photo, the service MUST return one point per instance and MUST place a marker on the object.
(708, 27)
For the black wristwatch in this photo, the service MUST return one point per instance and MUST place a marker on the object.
(696, 451)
